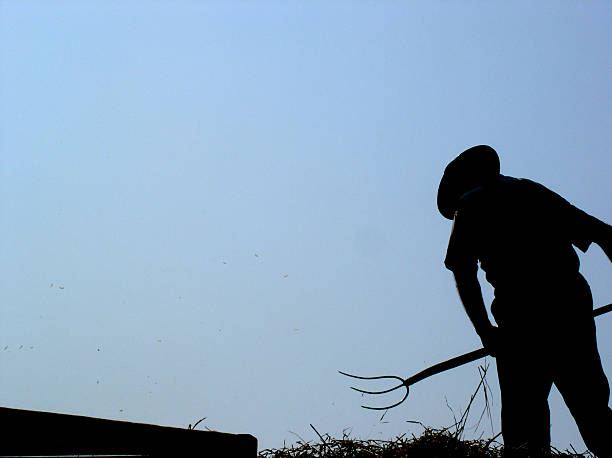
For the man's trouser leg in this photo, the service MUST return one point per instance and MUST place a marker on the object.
(582, 382)
(525, 384)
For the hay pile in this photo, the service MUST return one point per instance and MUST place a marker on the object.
(432, 443)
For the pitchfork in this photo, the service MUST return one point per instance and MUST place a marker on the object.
(433, 370)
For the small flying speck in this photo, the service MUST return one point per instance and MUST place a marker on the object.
(285, 276)
(20, 347)
(224, 262)
(51, 285)
(256, 255)
(61, 287)
(98, 349)
(159, 340)
(97, 382)
(120, 410)
(6, 348)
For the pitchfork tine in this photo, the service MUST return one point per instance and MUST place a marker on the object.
(373, 378)
(379, 377)
(377, 392)
(392, 405)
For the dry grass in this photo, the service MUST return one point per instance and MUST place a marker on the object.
(432, 443)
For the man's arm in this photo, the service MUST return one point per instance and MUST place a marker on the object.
(461, 259)
(582, 228)
(471, 298)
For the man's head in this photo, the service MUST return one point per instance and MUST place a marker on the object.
(472, 168)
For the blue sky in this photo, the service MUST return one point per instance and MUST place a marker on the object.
(207, 209)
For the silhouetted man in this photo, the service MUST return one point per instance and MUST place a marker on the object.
(523, 235)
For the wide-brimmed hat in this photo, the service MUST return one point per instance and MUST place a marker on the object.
(471, 168)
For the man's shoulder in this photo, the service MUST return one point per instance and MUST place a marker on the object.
(502, 193)
(538, 193)
(501, 187)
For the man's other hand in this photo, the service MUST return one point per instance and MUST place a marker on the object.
(490, 339)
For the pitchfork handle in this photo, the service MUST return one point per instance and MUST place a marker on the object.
(471, 356)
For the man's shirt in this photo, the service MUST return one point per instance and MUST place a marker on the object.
(522, 234)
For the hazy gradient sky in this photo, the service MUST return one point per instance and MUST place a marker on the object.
(207, 209)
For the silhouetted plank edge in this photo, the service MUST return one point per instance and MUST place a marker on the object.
(27, 432)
